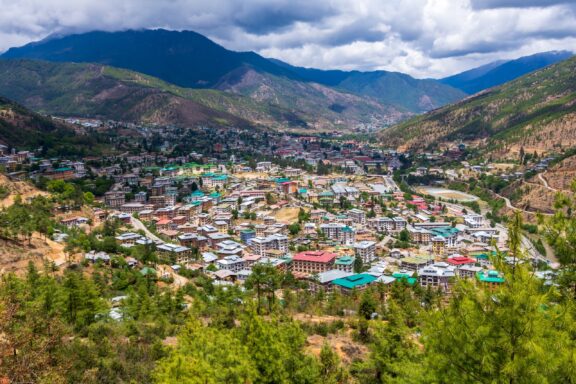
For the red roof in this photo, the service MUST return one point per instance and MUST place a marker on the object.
(164, 222)
(315, 256)
(460, 260)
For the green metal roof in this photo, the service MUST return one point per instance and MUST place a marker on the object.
(490, 277)
(354, 281)
(444, 231)
(344, 260)
(404, 277)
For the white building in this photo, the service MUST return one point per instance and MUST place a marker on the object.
(366, 250)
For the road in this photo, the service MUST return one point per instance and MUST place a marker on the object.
(138, 225)
(509, 205)
(545, 182)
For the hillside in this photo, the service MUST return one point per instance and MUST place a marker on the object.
(188, 59)
(23, 128)
(99, 91)
(500, 72)
(96, 91)
(316, 105)
(393, 88)
(536, 112)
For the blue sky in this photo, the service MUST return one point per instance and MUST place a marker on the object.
(425, 38)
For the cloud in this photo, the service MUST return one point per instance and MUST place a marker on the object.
(425, 38)
(491, 4)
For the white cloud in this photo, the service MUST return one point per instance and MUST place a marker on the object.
(425, 38)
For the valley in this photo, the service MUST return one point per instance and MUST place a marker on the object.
(173, 211)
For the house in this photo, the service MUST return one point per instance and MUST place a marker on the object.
(128, 238)
(74, 221)
(95, 257)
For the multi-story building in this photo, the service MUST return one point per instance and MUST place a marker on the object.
(322, 282)
(247, 235)
(231, 263)
(419, 235)
(339, 232)
(114, 199)
(416, 263)
(345, 263)
(358, 216)
(313, 262)
(260, 245)
(438, 245)
(474, 220)
(436, 276)
(365, 250)
(132, 207)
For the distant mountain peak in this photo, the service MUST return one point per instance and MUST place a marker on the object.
(500, 72)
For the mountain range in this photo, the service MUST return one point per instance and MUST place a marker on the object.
(183, 78)
(95, 90)
(190, 60)
(534, 113)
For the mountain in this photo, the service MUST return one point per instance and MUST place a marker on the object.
(416, 95)
(190, 60)
(536, 112)
(93, 90)
(500, 72)
(185, 58)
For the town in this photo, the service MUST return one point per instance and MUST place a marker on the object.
(332, 213)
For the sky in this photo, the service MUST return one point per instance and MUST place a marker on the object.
(424, 38)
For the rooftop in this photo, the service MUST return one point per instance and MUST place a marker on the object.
(315, 256)
(354, 281)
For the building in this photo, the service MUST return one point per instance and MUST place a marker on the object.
(260, 245)
(438, 245)
(114, 199)
(345, 263)
(339, 232)
(415, 263)
(132, 208)
(365, 250)
(354, 282)
(358, 216)
(419, 235)
(438, 276)
(313, 262)
(322, 282)
(492, 279)
(247, 235)
(474, 220)
(231, 263)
